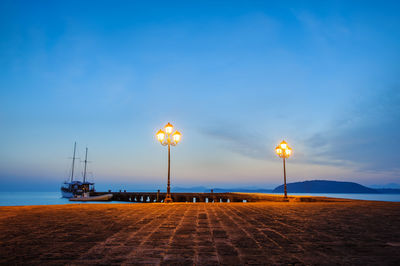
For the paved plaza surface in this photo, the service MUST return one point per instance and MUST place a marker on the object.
(265, 233)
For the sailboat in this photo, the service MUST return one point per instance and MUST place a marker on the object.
(87, 188)
(75, 188)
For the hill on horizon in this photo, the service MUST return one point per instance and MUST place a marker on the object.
(310, 186)
(325, 186)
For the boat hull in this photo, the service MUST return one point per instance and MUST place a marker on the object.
(76, 188)
(105, 197)
(67, 195)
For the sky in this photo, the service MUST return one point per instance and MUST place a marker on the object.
(234, 77)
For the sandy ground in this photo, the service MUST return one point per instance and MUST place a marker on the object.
(354, 232)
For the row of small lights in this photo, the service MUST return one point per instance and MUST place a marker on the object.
(164, 137)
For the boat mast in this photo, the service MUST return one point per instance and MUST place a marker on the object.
(84, 173)
(73, 163)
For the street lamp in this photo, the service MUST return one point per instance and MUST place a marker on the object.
(168, 137)
(284, 151)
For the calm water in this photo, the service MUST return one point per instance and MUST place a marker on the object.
(38, 198)
(54, 198)
(379, 197)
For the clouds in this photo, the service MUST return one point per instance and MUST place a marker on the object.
(237, 140)
(365, 135)
(244, 75)
(362, 137)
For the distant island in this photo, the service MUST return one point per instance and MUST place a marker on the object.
(325, 186)
(312, 186)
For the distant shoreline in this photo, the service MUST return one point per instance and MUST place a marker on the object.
(54, 198)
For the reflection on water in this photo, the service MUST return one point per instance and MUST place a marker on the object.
(54, 198)
(379, 197)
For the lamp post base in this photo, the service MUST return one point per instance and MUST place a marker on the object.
(285, 199)
(168, 199)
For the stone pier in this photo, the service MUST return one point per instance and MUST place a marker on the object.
(151, 197)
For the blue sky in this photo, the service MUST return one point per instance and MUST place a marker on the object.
(235, 77)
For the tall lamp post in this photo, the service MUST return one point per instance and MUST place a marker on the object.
(284, 151)
(168, 137)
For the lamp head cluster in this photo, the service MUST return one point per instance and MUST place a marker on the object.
(283, 150)
(168, 135)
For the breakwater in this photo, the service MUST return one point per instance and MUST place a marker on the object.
(151, 197)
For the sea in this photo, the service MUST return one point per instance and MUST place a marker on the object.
(54, 198)
(39, 198)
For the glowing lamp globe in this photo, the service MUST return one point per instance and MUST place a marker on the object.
(160, 135)
(283, 145)
(169, 128)
(177, 136)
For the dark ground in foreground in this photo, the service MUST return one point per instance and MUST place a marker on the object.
(353, 232)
